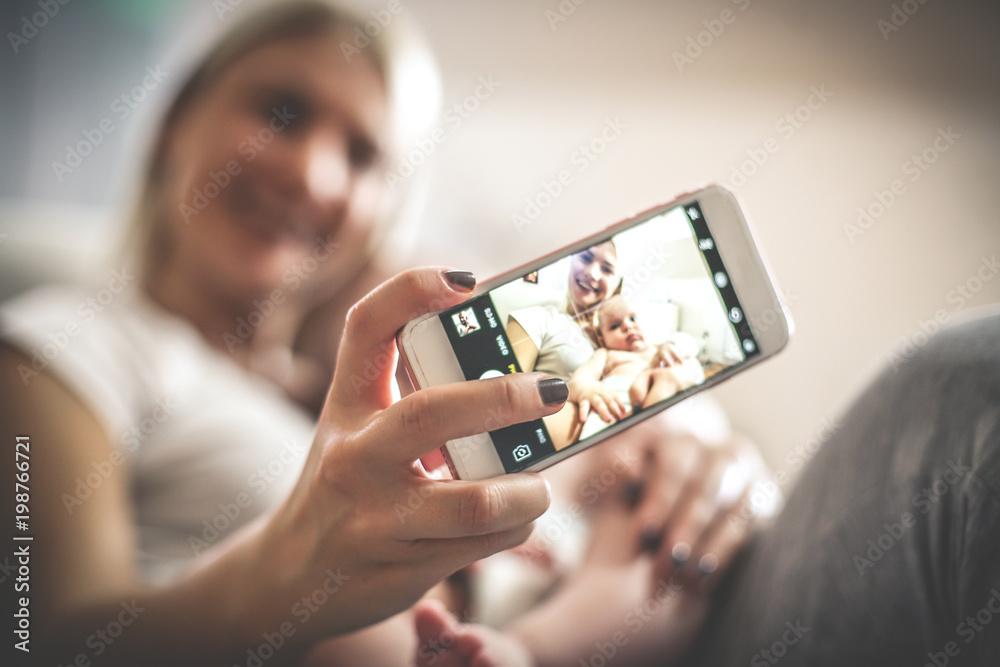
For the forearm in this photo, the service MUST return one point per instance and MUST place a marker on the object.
(202, 618)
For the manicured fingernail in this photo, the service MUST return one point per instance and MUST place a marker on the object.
(553, 391)
(650, 539)
(708, 564)
(461, 281)
(632, 493)
(680, 554)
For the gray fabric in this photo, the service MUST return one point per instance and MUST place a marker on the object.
(888, 550)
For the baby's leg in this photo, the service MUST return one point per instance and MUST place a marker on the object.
(445, 642)
(639, 389)
(688, 373)
(663, 384)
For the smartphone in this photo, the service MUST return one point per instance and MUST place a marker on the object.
(653, 309)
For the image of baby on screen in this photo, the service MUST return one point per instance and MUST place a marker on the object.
(626, 373)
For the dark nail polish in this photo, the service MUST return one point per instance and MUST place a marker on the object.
(708, 564)
(461, 281)
(632, 493)
(650, 539)
(553, 391)
(680, 554)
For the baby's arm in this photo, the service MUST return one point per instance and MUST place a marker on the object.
(586, 390)
(666, 355)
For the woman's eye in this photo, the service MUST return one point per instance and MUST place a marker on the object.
(283, 111)
(362, 154)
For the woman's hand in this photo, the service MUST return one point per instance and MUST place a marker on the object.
(366, 531)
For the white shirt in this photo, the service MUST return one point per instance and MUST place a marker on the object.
(208, 445)
(562, 345)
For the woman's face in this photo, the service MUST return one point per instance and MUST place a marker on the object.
(274, 171)
(593, 275)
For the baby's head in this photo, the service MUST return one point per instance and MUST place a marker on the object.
(617, 327)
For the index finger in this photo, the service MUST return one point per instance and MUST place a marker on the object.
(366, 359)
(427, 419)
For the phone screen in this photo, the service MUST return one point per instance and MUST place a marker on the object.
(639, 319)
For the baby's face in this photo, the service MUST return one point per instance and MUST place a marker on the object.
(619, 328)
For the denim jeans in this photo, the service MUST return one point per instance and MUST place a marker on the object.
(888, 549)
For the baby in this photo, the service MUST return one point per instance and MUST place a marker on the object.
(626, 373)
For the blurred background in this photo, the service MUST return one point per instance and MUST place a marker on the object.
(862, 136)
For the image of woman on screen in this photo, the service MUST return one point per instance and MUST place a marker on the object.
(558, 338)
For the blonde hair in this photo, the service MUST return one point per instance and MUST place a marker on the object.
(588, 319)
(146, 239)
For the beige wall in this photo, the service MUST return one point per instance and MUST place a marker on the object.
(854, 299)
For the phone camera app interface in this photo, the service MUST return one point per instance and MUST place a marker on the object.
(629, 322)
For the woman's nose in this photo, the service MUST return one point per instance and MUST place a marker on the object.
(323, 170)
